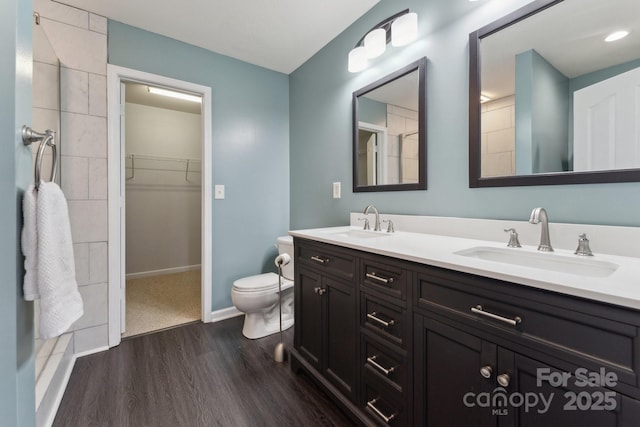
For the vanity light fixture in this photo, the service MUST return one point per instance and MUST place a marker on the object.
(173, 94)
(617, 35)
(399, 29)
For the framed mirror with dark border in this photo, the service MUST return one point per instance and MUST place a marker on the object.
(556, 50)
(389, 132)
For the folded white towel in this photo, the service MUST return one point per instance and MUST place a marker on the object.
(30, 244)
(60, 301)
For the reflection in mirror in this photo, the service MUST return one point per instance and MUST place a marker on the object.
(554, 103)
(389, 133)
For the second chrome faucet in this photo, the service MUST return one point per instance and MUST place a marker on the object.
(539, 215)
(375, 210)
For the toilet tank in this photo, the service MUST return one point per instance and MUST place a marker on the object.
(285, 246)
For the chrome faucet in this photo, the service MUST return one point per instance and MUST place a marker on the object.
(377, 223)
(539, 215)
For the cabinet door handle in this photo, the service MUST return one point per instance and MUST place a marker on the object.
(503, 380)
(486, 371)
(384, 280)
(513, 322)
(372, 361)
(373, 317)
(372, 405)
(319, 291)
(319, 259)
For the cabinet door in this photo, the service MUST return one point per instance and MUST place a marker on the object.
(571, 402)
(308, 310)
(447, 371)
(341, 343)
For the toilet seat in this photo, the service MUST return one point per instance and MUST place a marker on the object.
(260, 282)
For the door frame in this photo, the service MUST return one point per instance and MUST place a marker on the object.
(115, 164)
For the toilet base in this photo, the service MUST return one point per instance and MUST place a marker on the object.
(254, 326)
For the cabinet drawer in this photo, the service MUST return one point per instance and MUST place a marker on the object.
(327, 258)
(384, 363)
(385, 407)
(384, 277)
(383, 318)
(580, 331)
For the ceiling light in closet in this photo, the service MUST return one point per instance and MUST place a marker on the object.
(173, 94)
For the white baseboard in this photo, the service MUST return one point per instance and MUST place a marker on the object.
(163, 271)
(92, 351)
(225, 313)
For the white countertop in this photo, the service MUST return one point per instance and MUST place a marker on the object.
(622, 287)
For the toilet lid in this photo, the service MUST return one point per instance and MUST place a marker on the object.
(260, 282)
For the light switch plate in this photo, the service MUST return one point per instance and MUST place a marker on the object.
(218, 192)
(336, 190)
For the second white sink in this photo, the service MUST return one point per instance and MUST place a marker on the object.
(543, 260)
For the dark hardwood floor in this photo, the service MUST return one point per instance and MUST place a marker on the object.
(194, 375)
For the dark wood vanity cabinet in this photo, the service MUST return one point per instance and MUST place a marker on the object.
(385, 334)
(325, 315)
(499, 354)
(401, 343)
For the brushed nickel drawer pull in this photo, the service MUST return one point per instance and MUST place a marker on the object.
(513, 322)
(319, 259)
(378, 412)
(320, 291)
(372, 361)
(372, 316)
(374, 276)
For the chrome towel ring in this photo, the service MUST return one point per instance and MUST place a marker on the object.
(48, 138)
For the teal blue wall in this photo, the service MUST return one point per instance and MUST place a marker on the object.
(542, 115)
(585, 80)
(17, 389)
(320, 131)
(250, 123)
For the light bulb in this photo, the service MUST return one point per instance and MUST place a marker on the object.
(375, 43)
(404, 30)
(358, 59)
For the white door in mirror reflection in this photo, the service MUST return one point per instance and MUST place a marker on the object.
(372, 149)
(607, 124)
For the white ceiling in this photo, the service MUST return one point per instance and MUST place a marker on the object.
(276, 34)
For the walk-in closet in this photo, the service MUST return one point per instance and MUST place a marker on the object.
(163, 144)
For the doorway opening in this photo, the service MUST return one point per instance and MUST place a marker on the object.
(163, 166)
(159, 211)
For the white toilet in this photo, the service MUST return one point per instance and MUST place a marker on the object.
(257, 297)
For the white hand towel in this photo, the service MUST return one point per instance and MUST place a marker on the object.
(60, 301)
(30, 244)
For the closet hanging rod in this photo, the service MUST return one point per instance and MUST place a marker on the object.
(137, 157)
(161, 158)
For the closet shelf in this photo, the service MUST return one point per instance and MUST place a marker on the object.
(160, 163)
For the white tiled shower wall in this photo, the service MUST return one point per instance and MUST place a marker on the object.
(499, 137)
(79, 39)
(402, 159)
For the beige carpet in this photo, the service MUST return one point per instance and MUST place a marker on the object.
(160, 302)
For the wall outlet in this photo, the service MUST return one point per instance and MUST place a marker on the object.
(336, 190)
(218, 192)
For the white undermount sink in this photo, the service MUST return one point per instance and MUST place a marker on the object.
(361, 234)
(549, 261)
